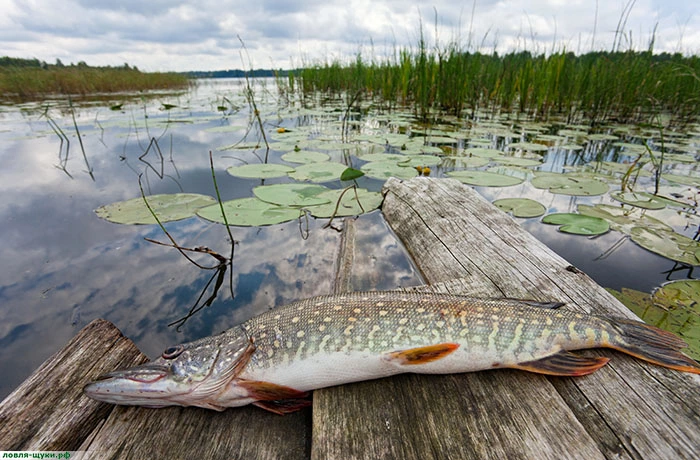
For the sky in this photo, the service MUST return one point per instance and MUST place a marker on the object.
(181, 35)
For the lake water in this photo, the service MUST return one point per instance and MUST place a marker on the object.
(62, 266)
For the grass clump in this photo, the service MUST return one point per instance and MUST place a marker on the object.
(628, 86)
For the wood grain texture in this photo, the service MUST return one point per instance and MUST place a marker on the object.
(49, 411)
(629, 408)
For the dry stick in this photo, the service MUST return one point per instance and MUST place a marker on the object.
(175, 245)
(223, 214)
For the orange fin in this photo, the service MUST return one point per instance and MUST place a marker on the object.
(563, 364)
(267, 391)
(286, 406)
(422, 355)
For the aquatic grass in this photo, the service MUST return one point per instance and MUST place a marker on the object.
(626, 86)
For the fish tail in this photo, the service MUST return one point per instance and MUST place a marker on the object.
(652, 344)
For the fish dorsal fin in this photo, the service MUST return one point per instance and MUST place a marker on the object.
(562, 363)
(421, 355)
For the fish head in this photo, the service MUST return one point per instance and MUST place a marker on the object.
(189, 374)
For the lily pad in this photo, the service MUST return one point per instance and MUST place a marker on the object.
(348, 206)
(514, 161)
(249, 212)
(668, 244)
(485, 178)
(527, 146)
(622, 219)
(569, 184)
(482, 152)
(387, 169)
(260, 171)
(674, 307)
(291, 194)
(521, 207)
(577, 224)
(318, 172)
(305, 156)
(395, 157)
(684, 180)
(639, 199)
(168, 208)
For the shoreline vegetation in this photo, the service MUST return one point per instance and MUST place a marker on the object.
(23, 80)
(596, 87)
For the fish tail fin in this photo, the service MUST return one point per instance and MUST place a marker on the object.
(652, 344)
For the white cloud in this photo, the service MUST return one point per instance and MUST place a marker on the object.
(184, 35)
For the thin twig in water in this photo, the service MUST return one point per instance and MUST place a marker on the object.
(223, 214)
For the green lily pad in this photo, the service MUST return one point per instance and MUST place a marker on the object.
(622, 219)
(577, 224)
(569, 184)
(674, 307)
(527, 146)
(420, 160)
(351, 174)
(482, 152)
(387, 169)
(249, 212)
(464, 162)
(348, 206)
(291, 194)
(318, 172)
(668, 244)
(260, 171)
(168, 208)
(395, 157)
(485, 178)
(639, 199)
(305, 156)
(684, 180)
(514, 161)
(520, 207)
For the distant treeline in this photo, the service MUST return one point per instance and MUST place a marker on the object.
(32, 79)
(257, 73)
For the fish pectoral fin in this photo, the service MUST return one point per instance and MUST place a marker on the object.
(421, 355)
(268, 391)
(563, 363)
(285, 406)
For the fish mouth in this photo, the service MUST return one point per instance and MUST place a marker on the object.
(145, 385)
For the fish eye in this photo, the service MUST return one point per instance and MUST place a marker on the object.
(173, 352)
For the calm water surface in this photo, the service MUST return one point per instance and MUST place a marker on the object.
(62, 266)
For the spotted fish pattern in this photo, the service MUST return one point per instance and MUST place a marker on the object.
(274, 359)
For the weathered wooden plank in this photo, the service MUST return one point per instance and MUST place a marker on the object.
(629, 407)
(500, 414)
(48, 411)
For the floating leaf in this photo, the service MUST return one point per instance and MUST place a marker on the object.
(348, 205)
(291, 194)
(668, 244)
(420, 160)
(318, 172)
(527, 146)
(482, 152)
(351, 174)
(520, 207)
(639, 199)
(622, 219)
(464, 162)
(395, 157)
(249, 212)
(578, 224)
(387, 169)
(260, 171)
(684, 180)
(305, 156)
(674, 307)
(514, 161)
(484, 178)
(568, 184)
(168, 208)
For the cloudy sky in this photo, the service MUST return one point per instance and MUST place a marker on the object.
(203, 35)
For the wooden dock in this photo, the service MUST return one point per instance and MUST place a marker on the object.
(461, 244)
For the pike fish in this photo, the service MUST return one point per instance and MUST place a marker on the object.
(275, 359)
